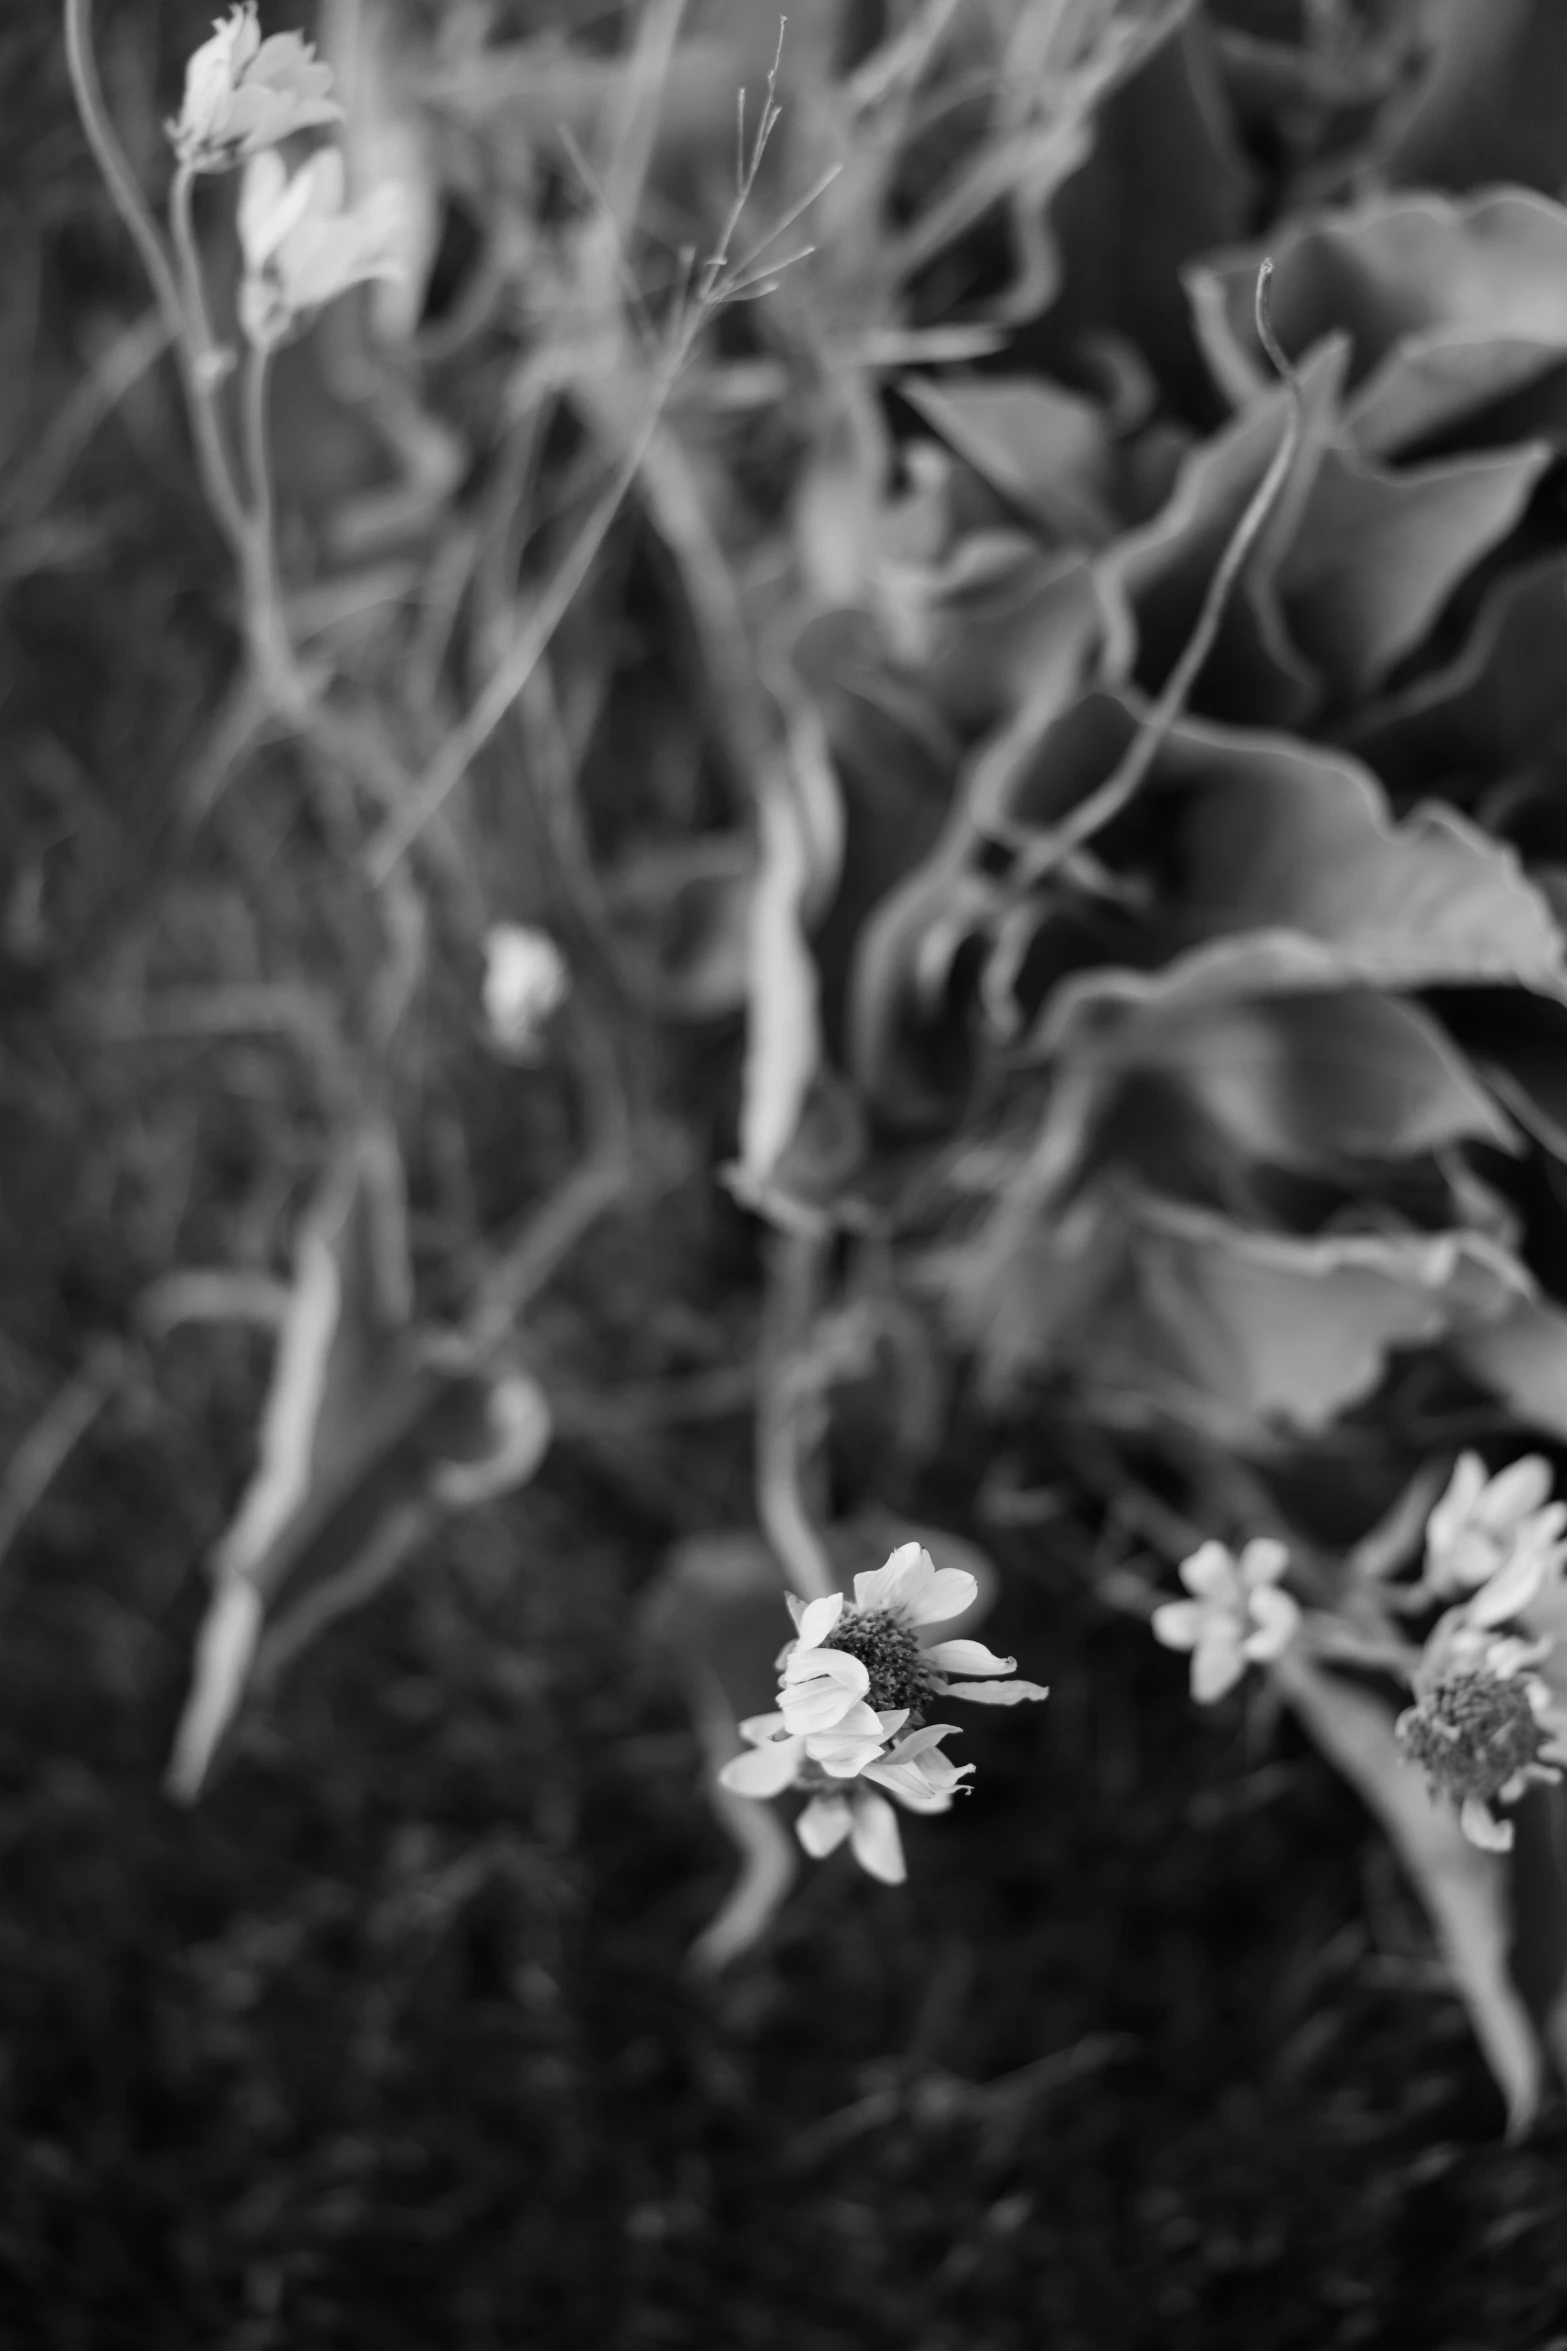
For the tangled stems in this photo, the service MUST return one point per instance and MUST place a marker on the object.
(203, 367)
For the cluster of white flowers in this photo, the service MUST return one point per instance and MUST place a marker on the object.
(855, 1684)
(300, 244)
(1484, 1725)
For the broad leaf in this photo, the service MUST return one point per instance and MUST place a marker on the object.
(1273, 1326)
(1041, 449)
(1378, 554)
(1447, 306)
(1463, 1889)
(1311, 1082)
(1503, 700)
(1523, 1359)
(1155, 579)
(1492, 104)
(1282, 866)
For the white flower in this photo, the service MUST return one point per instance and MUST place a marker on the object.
(243, 94)
(1481, 1529)
(1237, 1614)
(301, 248)
(1481, 1727)
(525, 981)
(780, 1757)
(914, 1771)
(875, 1651)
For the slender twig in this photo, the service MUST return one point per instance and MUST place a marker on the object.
(716, 284)
(1126, 778)
(118, 176)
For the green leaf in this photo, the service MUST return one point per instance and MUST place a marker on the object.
(1463, 1889)
(1447, 305)
(1500, 702)
(1378, 554)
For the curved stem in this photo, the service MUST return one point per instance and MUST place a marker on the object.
(205, 366)
(117, 173)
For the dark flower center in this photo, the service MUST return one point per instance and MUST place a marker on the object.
(889, 1653)
(1471, 1732)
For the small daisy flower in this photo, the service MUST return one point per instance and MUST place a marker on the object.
(1237, 1615)
(525, 982)
(876, 1650)
(243, 94)
(301, 248)
(913, 1770)
(1482, 1528)
(1481, 1727)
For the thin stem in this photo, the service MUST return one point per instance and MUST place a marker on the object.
(185, 322)
(469, 737)
(111, 161)
(205, 366)
(1126, 779)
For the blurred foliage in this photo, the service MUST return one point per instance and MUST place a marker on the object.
(1137, 1157)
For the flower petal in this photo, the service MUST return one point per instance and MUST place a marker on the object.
(1263, 1561)
(947, 1593)
(1481, 1826)
(759, 1728)
(1209, 1572)
(995, 1693)
(1275, 1615)
(823, 1824)
(1516, 1492)
(1217, 1662)
(818, 1705)
(833, 1665)
(968, 1657)
(878, 1848)
(818, 1618)
(1512, 1587)
(763, 1771)
(902, 1571)
(1178, 1623)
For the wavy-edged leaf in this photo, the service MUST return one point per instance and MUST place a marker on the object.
(1491, 105)
(1463, 1889)
(1276, 1326)
(1448, 306)
(1042, 449)
(1282, 865)
(1523, 1359)
(980, 625)
(1377, 554)
(1155, 579)
(1311, 1082)
(1503, 699)
(1519, 1044)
